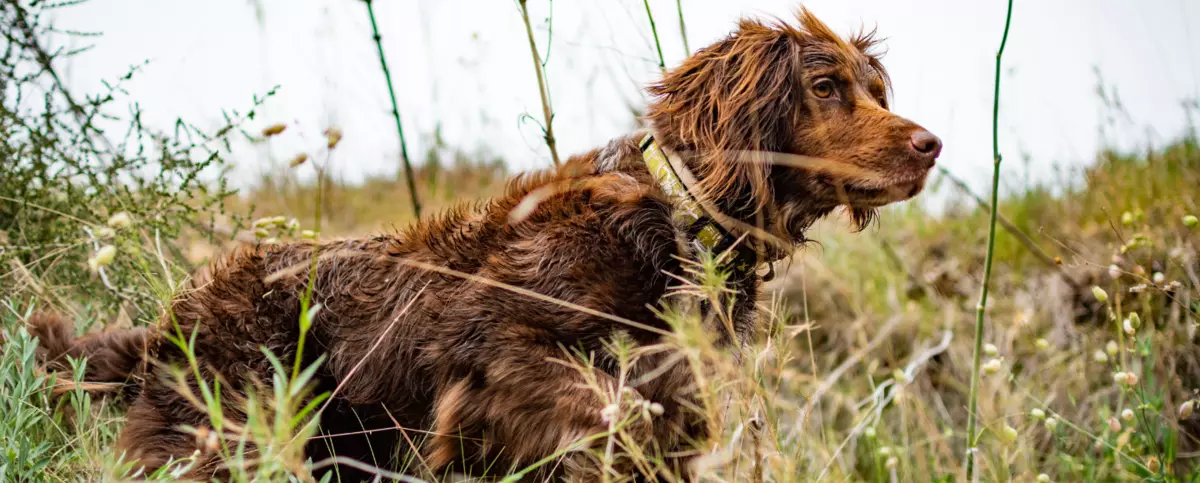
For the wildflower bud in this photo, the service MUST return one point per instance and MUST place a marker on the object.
(1190, 221)
(1041, 344)
(992, 366)
(261, 222)
(1100, 294)
(92, 265)
(870, 432)
(1043, 478)
(1131, 379)
(261, 233)
(1051, 424)
(105, 255)
(270, 241)
(1139, 288)
(1153, 464)
(1186, 409)
(105, 232)
(1126, 218)
(273, 129)
(1119, 377)
(1123, 439)
(292, 224)
(1114, 272)
(298, 160)
(1100, 357)
(120, 220)
(1129, 328)
(1009, 434)
(609, 413)
(656, 409)
(1135, 320)
(1037, 413)
(885, 451)
(1127, 414)
(990, 350)
(1111, 347)
(1139, 270)
(892, 462)
(308, 234)
(333, 136)
(1114, 425)
(1158, 278)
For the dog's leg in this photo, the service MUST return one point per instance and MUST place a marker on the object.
(515, 409)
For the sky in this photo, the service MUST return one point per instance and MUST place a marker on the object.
(463, 67)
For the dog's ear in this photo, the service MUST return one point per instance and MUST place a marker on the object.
(730, 100)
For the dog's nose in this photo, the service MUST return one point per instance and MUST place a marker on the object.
(926, 145)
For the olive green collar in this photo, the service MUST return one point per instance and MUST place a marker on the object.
(689, 214)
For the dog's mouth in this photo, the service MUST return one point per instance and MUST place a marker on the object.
(881, 191)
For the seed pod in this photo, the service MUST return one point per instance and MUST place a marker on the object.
(1127, 414)
(120, 220)
(298, 160)
(105, 255)
(1114, 425)
(993, 366)
(1037, 413)
(1043, 478)
(1009, 434)
(1111, 347)
(990, 350)
(1100, 294)
(1051, 424)
(1100, 357)
(273, 129)
(1186, 409)
(1190, 221)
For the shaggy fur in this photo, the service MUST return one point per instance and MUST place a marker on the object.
(780, 123)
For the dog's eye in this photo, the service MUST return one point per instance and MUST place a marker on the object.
(823, 89)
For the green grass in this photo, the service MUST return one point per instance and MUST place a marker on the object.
(878, 324)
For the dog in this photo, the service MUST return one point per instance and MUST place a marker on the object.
(446, 328)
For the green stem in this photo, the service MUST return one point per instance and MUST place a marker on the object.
(682, 27)
(662, 64)
(547, 110)
(408, 171)
(981, 309)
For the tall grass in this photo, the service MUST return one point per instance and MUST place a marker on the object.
(980, 310)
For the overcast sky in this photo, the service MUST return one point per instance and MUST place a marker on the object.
(465, 65)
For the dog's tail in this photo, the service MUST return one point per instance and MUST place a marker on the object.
(113, 357)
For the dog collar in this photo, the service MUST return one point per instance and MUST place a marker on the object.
(665, 166)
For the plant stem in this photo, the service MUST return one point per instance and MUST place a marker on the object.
(408, 171)
(980, 310)
(547, 111)
(682, 27)
(662, 64)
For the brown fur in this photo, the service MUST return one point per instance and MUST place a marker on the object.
(469, 361)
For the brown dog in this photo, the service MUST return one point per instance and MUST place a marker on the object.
(448, 326)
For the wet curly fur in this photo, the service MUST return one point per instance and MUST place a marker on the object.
(468, 363)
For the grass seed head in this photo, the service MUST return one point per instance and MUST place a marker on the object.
(298, 160)
(120, 220)
(273, 130)
(333, 136)
(105, 255)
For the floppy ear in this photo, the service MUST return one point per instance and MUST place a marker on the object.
(738, 95)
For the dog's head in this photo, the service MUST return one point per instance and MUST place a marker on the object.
(792, 120)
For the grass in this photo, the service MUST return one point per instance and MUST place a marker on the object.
(863, 370)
